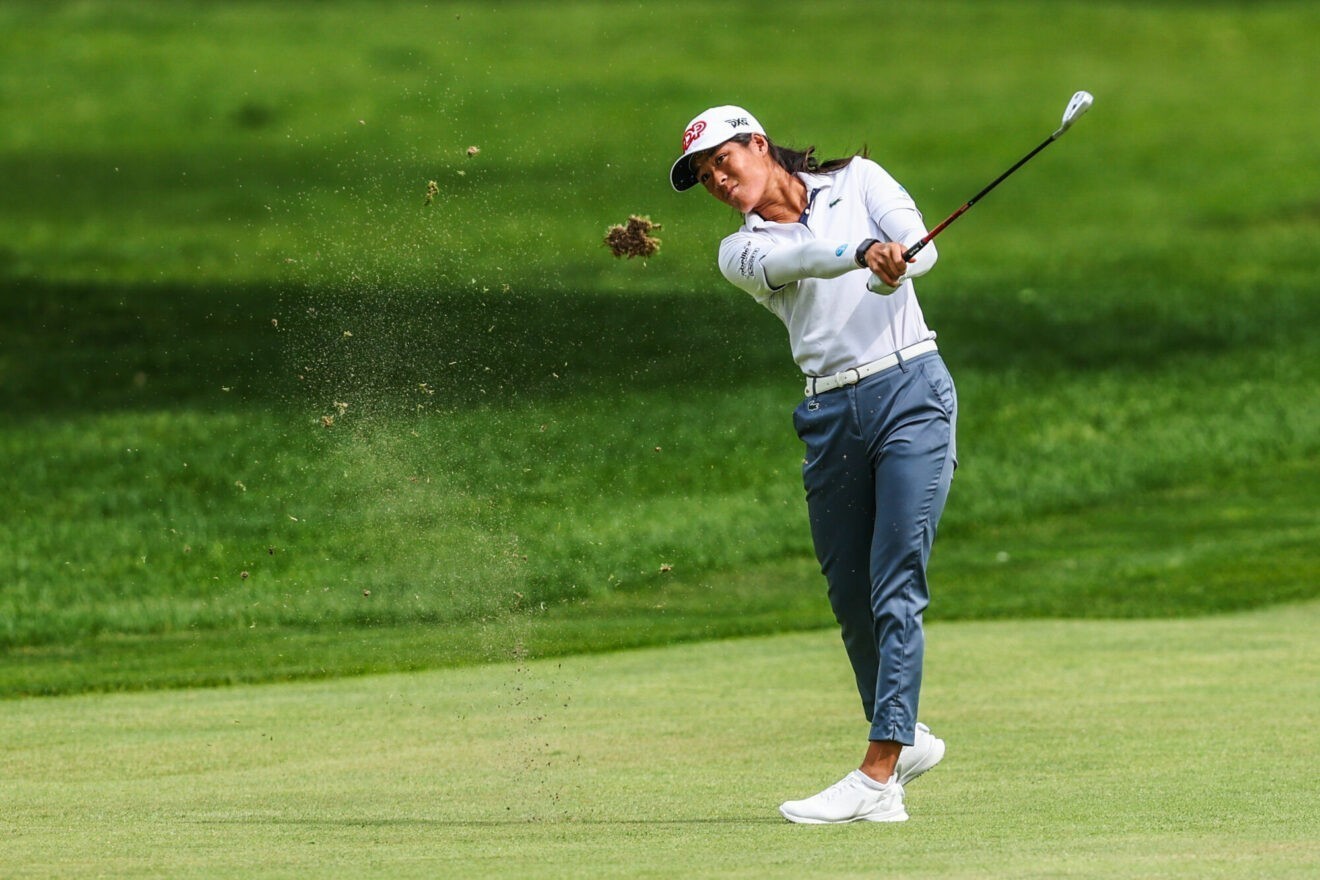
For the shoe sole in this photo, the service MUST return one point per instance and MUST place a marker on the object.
(900, 816)
(933, 756)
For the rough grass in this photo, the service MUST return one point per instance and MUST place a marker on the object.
(211, 249)
(140, 495)
(1230, 551)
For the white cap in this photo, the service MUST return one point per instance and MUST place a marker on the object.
(710, 129)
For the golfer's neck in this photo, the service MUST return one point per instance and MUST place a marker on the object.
(785, 198)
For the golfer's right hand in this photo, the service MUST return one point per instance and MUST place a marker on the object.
(885, 260)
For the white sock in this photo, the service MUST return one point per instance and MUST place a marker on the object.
(871, 783)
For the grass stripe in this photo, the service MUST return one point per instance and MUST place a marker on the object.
(1243, 542)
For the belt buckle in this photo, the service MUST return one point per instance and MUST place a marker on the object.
(850, 376)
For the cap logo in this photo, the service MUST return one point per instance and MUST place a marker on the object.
(739, 121)
(694, 131)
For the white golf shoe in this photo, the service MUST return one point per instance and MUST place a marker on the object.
(926, 751)
(854, 798)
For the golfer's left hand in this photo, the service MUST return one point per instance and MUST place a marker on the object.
(885, 260)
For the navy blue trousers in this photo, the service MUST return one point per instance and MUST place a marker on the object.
(879, 459)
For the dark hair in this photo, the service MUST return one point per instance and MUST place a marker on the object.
(801, 160)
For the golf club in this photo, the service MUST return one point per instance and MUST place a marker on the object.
(1080, 103)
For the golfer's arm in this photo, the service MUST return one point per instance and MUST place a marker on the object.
(821, 258)
(811, 259)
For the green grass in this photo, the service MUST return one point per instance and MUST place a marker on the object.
(246, 136)
(1108, 497)
(1097, 561)
(207, 249)
(1076, 749)
(212, 237)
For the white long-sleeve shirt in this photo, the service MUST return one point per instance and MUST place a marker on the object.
(835, 323)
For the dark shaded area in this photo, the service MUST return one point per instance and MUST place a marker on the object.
(1082, 329)
(101, 348)
(95, 349)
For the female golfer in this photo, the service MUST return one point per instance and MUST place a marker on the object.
(821, 246)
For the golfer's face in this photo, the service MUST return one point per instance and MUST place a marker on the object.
(735, 174)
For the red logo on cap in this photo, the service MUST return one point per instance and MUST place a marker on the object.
(694, 131)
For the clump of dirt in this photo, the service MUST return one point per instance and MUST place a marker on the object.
(634, 239)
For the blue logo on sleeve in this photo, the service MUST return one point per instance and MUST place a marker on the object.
(839, 252)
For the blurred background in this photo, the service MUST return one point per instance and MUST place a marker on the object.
(313, 362)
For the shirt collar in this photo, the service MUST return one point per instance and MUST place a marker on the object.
(754, 220)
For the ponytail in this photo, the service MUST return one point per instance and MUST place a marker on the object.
(796, 161)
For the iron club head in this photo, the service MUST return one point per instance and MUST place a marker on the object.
(1080, 103)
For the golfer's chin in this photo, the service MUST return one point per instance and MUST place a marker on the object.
(735, 200)
(739, 205)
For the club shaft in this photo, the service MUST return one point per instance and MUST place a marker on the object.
(916, 248)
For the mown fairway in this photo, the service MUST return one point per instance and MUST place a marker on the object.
(1095, 749)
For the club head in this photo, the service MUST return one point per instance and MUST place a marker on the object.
(1080, 103)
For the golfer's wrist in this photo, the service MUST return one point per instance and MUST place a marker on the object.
(860, 256)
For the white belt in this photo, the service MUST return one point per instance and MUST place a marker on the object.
(820, 384)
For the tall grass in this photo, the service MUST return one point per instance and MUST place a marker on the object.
(235, 341)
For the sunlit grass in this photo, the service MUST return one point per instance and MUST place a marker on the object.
(530, 768)
(213, 237)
